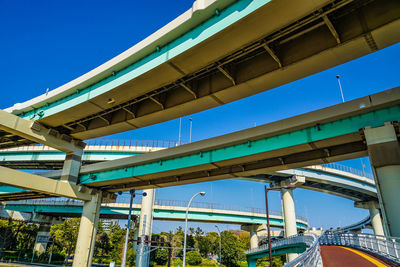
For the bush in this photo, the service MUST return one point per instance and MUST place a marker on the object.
(243, 264)
(177, 262)
(161, 256)
(209, 262)
(193, 258)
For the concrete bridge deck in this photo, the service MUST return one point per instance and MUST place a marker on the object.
(213, 54)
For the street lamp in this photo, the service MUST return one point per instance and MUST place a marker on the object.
(340, 87)
(268, 225)
(220, 250)
(132, 193)
(186, 223)
(190, 130)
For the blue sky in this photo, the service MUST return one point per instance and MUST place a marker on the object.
(45, 44)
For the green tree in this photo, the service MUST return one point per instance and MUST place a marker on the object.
(193, 257)
(232, 249)
(66, 234)
(161, 256)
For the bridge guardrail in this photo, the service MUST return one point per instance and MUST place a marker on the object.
(348, 169)
(310, 257)
(388, 247)
(307, 238)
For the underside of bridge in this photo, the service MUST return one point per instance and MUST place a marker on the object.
(270, 51)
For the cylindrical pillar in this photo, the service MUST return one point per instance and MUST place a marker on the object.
(375, 216)
(384, 153)
(87, 232)
(289, 217)
(42, 239)
(253, 236)
(147, 209)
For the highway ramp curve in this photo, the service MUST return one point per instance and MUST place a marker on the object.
(215, 53)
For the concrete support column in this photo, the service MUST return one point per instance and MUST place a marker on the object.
(289, 217)
(253, 229)
(374, 214)
(384, 153)
(87, 232)
(376, 220)
(42, 239)
(71, 168)
(146, 213)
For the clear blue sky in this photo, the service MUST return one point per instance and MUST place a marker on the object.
(45, 44)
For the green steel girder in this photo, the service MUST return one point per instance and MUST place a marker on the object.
(319, 132)
(160, 214)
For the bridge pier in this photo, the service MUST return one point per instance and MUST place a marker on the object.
(87, 231)
(253, 229)
(146, 213)
(374, 214)
(42, 239)
(384, 153)
(289, 217)
(289, 213)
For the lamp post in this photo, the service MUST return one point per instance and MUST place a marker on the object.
(190, 130)
(132, 193)
(267, 211)
(186, 223)
(340, 87)
(180, 131)
(220, 250)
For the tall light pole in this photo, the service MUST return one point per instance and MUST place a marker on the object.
(180, 131)
(220, 247)
(186, 224)
(267, 211)
(190, 130)
(132, 193)
(340, 87)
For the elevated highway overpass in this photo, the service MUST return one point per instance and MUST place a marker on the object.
(215, 53)
(330, 134)
(165, 210)
(330, 178)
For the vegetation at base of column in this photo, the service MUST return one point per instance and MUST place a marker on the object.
(17, 241)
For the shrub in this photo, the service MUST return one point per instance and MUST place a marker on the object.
(177, 262)
(209, 262)
(193, 257)
(161, 256)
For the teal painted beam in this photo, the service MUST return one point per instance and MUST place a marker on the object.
(195, 36)
(307, 135)
(160, 214)
(60, 156)
(4, 189)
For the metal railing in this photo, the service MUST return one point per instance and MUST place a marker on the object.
(308, 239)
(158, 204)
(310, 257)
(134, 142)
(348, 169)
(127, 144)
(387, 247)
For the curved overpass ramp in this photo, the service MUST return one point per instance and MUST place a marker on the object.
(213, 54)
(331, 178)
(163, 210)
